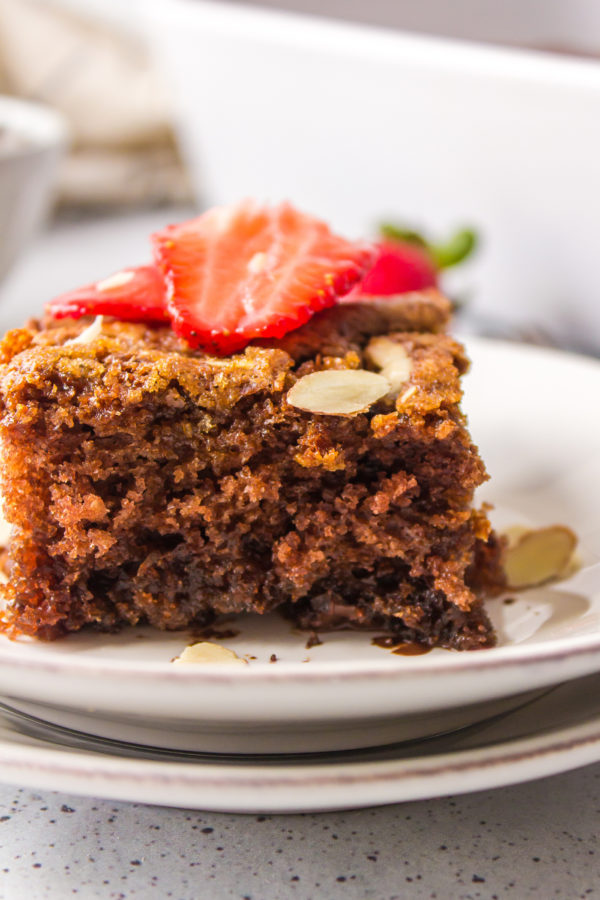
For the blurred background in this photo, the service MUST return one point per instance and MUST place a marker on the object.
(429, 113)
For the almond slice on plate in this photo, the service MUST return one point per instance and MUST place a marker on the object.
(338, 392)
(206, 652)
(539, 555)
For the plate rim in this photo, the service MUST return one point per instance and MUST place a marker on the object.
(495, 657)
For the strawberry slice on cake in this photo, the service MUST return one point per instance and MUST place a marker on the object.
(135, 294)
(247, 271)
(230, 276)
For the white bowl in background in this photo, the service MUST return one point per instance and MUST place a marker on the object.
(568, 27)
(357, 123)
(32, 140)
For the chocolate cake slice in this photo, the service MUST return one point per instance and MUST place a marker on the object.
(149, 482)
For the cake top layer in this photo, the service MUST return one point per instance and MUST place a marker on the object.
(123, 363)
(332, 332)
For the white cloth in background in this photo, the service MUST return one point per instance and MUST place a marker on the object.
(123, 149)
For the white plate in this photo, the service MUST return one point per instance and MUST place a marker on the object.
(533, 412)
(557, 732)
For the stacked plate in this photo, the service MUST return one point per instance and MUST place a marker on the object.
(346, 723)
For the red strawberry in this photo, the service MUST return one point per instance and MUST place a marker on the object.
(134, 295)
(399, 268)
(406, 261)
(247, 271)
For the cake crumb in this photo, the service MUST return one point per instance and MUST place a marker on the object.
(313, 640)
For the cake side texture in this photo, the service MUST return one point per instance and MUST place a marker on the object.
(146, 482)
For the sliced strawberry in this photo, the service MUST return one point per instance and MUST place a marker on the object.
(135, 295)
(246, 271)
(407, 261)
(399, 268)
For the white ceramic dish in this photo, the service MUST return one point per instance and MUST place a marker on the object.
(549, 24)
(27, 172)
(557, 732)
(358, 123)
(531, 411)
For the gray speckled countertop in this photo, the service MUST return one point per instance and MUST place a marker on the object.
(533, 840)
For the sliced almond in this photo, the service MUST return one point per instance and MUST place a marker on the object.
(338, 392)
(119, 279)
(383, 351)
(205, 652)
(391, 358)
(89, 334)
(538, 556)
